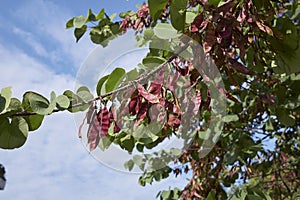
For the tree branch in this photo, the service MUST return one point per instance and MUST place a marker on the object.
(122, 88)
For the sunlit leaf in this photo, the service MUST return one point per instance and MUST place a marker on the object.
(114, 79)
(37, 103)
(165, 31)
(5, 97)
(100, 84)
(79, 21)
(152, 61)
(100, 15)
(190, 16)
(62, 102)
(230, 118)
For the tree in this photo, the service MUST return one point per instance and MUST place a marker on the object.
(249, 91)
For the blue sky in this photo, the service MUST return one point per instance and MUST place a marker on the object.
(37, 53)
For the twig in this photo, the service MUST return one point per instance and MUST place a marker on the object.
(128, 85)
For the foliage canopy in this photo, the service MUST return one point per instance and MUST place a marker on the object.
(255, 46)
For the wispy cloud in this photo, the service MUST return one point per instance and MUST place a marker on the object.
(30, 39)
(24, 72)
(46, 20)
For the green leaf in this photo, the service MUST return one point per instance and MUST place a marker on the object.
(40, 104)
(156, 7)
(138, 160)
(14, 134)
(190, 16)
(15, 105)
(62, 102)
(70, 23)
(140, 147)
(100, 84)
(91, 16)
(114, 79)
(230, 118)
(84, 94)
(34, 121)
(72, 97)
(35, 102)
(144, 135)
(79, 21)
(79, 32)
(100, 14)
(254, 197)
(269, 125)
(214, 2)
(178, 14)
(165, 31)
(5, 98)
(75, 99)
(104, 143)
(132, 75)
(175, 152)
(166, 194)
(211, 195)
(152, 61)
(285, 118)
(2, 103)
(98, 38)
(176, 193)
(115, 29)
(287, 48)
(204, 134)
(127, 143)
(52, 102)
(113, 16)
(79, 108)
(239, 195)
(231, 157)
(83, 88)
(141, 181)
(148, 34)
(129, 165)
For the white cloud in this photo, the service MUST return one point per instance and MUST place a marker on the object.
(31, 41)
(49, 22)
(23, 73)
